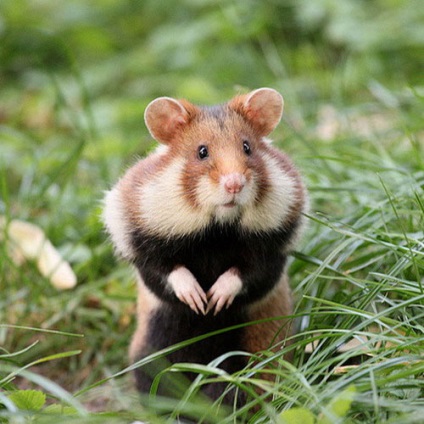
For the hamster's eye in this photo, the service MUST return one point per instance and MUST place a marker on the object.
(202, 152)
(246, 147)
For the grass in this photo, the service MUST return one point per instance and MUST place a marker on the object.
(76, 84)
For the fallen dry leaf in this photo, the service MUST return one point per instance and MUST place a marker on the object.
(27, 241)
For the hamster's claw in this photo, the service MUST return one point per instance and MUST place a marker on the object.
(188, 290)
(224, 291)
(195, 298)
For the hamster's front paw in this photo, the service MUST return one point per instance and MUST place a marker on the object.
(223, 292)
(187, 289)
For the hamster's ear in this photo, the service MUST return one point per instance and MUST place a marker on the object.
(263, 108)
(165, 117)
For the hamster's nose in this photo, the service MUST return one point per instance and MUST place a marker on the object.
(234, 183)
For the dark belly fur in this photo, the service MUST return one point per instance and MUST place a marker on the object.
(172, 325)
(260, 263)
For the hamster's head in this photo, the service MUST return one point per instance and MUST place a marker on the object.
(218, 165)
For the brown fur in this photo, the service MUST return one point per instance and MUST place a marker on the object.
(142, 171)
(277, 304)
(147, 302)
(224, 142)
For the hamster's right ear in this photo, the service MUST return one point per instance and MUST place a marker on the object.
(165, 117)
(263, 108)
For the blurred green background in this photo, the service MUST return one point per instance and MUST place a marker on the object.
(76, 76)
(113, 57)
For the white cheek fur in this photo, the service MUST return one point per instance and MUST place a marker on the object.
(163, 206)
(276, 206)
(162, 149)
(114, 219)
(164, 210)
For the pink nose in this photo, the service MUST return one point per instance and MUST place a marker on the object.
(234, 183)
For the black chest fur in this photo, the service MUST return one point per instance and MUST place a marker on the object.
(210, 253)
(259, 259)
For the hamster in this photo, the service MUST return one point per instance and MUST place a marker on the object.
(208, 220)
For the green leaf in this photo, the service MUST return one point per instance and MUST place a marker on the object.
(296, 416)
(338, 407)
(28, 400)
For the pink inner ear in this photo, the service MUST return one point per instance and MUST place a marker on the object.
(170, 126)
(262, 108)
(257, 116)
(180, 120)
(164, 118)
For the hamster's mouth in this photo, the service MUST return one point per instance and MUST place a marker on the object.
(231, 204)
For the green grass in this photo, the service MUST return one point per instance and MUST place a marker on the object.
(74, 82)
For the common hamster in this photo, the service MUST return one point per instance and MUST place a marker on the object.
(208, 220)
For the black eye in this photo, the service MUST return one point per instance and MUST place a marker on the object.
(202, 152)
(246, 147)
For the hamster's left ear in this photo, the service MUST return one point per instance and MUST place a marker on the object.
(263, 108)
(165, 117)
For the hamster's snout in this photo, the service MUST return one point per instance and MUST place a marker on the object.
(233, 183)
